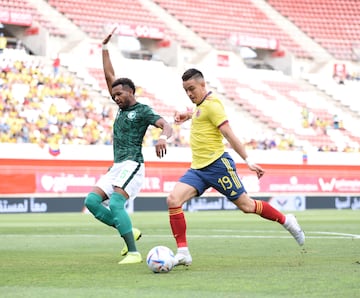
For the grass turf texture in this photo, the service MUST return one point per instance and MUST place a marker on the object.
(234, 255)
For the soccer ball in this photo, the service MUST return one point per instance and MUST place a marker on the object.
(160, 259)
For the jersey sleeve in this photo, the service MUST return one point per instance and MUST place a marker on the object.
(150, 115)
(216, 113)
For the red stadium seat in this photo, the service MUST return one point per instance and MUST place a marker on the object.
(26, 7)
(261, 101)
(333, 23)
(113, 12)
(236, 16)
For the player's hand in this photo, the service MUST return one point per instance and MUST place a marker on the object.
(180, 117)
(160, 148)
(106, 40)
(256, 168)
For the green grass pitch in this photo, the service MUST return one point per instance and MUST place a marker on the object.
(234, 255)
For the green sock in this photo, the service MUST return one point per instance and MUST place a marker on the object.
(122, 219)
(94, 204)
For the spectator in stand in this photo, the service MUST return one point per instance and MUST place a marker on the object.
(3, 42)
(336, 122)
(56, 65)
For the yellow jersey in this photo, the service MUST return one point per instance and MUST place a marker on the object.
(206, 140)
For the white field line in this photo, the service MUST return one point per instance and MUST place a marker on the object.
(265, 234)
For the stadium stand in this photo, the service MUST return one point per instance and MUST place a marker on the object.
(285, 113)
(23, 6)
(297, 108)
(332, 23)
(38, 107)
(205, 19)
(89, 14)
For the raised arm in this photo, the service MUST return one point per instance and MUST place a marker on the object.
(107, 66)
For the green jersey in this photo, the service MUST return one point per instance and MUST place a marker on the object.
(129, 129)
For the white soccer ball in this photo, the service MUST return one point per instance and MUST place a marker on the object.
(160, 259)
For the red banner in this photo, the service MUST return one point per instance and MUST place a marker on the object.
(78, 177)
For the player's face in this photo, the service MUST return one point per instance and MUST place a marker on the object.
(195, 90)
(122, 96)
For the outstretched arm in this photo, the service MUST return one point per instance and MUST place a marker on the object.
(239, 148)
(181, 117)
(107, 66)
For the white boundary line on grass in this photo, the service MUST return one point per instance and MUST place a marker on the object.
(317, 235)
(338, 234)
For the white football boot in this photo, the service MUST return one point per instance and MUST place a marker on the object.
(294, 228)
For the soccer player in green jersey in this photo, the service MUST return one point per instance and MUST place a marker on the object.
(212, 166)
(126, 176)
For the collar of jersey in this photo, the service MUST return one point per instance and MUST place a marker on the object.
(207, 94)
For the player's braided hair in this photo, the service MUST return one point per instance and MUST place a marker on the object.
(124, 82)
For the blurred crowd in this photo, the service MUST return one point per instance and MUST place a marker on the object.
(43, 105)
(38, 106)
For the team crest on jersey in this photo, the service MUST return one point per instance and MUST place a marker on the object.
(198, 113)
(131, 115)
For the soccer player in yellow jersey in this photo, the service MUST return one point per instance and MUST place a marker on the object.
(212, 166)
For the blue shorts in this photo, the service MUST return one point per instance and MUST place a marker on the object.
(221, 175)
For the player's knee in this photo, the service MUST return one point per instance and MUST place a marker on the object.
(117, 201)
(245, 204)
(171, 201)
(92, 201)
